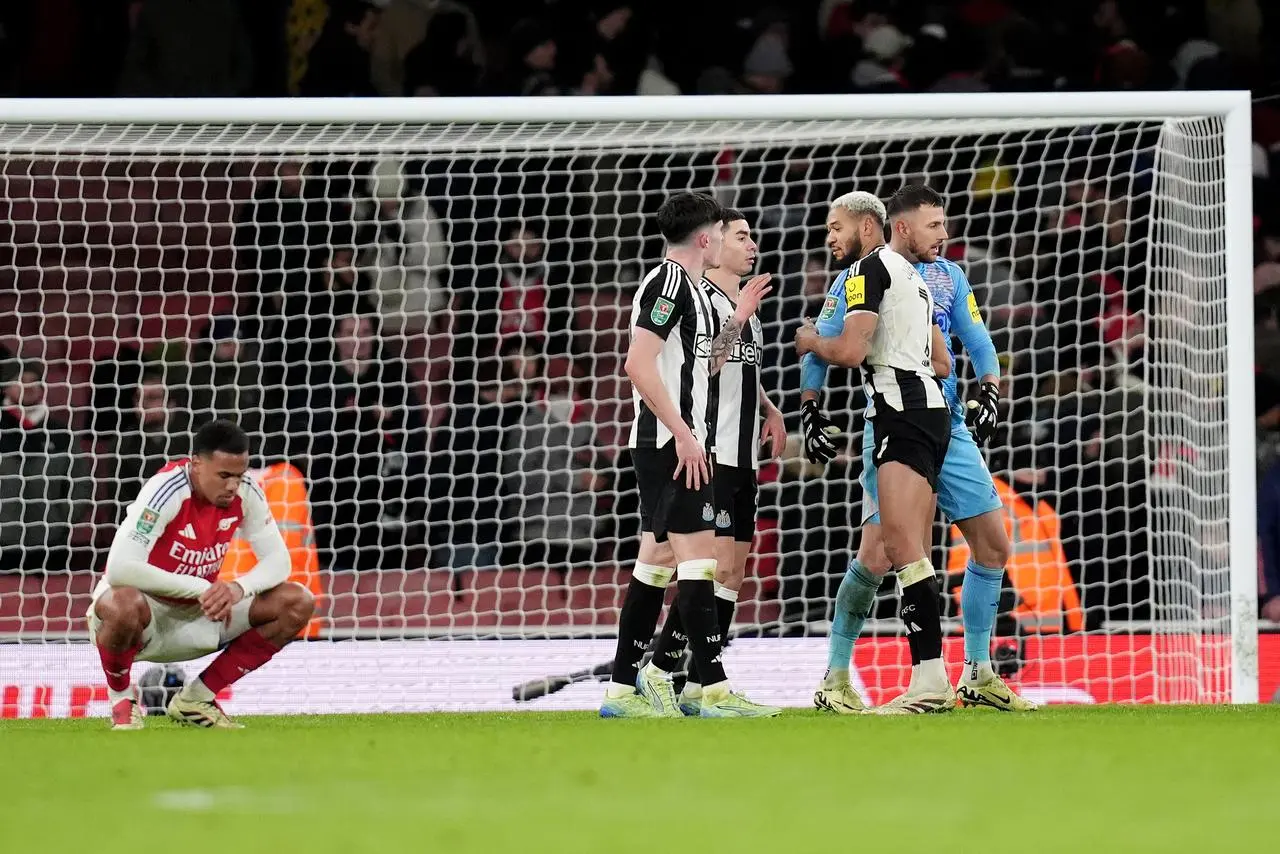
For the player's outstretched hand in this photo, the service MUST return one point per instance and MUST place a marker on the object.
(818, 448)
(983, 413)
(773, 433)
(806, 335)
(692, 459)
(755, 290)
(217, 601)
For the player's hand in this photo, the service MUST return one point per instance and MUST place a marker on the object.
(756, 289)
(692, 459)
(806, 336)
(773, 433)
(983, 413)
(217, 601)
(818, 448)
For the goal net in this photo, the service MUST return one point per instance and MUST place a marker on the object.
(422, 324)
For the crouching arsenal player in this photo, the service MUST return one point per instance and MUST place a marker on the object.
(161, 599)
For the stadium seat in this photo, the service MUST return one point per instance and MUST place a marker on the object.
(40, 603)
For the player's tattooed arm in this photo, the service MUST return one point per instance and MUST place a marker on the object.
(756, 289)
(723, 343)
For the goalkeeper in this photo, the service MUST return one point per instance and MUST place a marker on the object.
(966, 492)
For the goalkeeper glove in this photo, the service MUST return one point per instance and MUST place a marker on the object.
(982, 415)
(818, 448)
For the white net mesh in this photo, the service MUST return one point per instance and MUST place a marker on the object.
(428, 322)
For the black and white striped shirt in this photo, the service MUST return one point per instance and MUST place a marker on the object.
(672, 307)
(897, 372)
(735, 423)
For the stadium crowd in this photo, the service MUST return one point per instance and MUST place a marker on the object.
(437, 344)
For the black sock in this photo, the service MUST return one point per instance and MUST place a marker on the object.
(668, 651)
(724, 616)
(696, 600)
(672, 645)
(923, 620)
(639, 615)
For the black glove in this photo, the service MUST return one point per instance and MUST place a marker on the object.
(817, 444)
(982, 414)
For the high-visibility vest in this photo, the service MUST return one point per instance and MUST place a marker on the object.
(1048, 600)
(286, 492)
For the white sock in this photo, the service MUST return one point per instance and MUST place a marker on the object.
(977, 672)
(837, 676)
(196, 690)
(692, 690)
(931, 676)
(715, 693)
(114, 697)
(615, 691)
(653, 671)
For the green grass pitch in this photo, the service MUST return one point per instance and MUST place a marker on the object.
(1066, 779)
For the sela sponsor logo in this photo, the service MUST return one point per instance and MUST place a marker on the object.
(225, 524)
(204, 561)
(746, 352)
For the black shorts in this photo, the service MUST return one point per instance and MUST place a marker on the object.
(667, 506)
(917, 438)
(736, 494)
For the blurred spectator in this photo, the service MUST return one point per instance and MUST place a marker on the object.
(654, 82)
(532, 61)
(521, 296)
(427, 47)
(466, 462)
(767, 66)
(303, 25)
(187, 48)
(339, 65)
(880, 69)
(604, 54)
(226, 379)
(404, 250)
(114, 379)
(45, 481)
(309, 322)
(622, 44)
(278, 231)
(548, 468)
(153, 431)
(368, 464)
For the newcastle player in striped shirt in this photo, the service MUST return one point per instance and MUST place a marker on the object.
(966, 494)
(742, 410)
(673, 328)
(889, 332)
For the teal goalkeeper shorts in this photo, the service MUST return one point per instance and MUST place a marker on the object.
(965, 488)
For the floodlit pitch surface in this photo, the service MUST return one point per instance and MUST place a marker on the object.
(1067, 779)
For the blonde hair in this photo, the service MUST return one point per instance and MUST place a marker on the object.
(860, 202)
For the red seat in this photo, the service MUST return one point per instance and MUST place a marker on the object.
(45, 604)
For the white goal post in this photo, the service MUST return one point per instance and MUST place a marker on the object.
(130, 223)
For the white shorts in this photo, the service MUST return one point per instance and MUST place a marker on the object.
(182, 632)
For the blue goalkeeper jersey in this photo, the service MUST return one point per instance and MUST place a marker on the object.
(955, 311)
